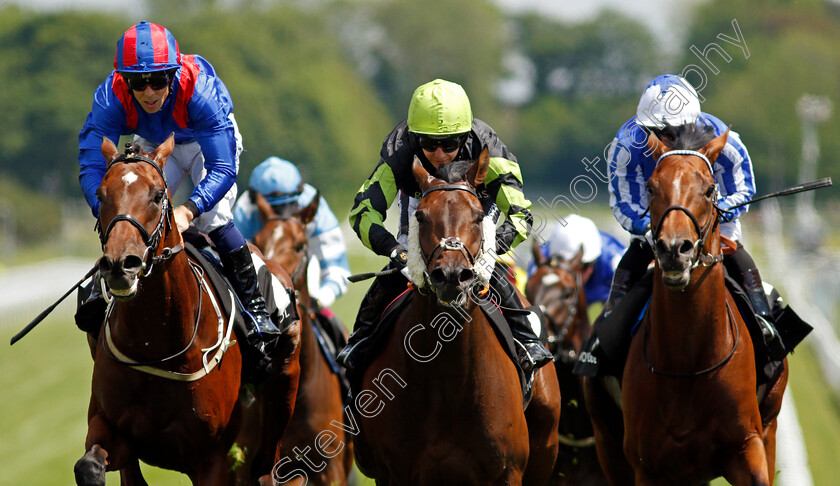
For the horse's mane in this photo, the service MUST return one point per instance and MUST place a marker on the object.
(687, 137)
(454, 171)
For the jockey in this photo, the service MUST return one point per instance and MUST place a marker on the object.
(154, 91)
(440, 128)
(601, 253)
(670, 101)
(283, 187)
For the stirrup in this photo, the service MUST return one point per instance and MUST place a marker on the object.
(772, 339)
(532, 355)
(347, 356)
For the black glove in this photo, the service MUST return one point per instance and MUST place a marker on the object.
(399, 257)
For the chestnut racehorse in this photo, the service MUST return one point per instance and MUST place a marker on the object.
(319, 399)
(690, 407)
(167, 371)
(441, 403)
(557, 287)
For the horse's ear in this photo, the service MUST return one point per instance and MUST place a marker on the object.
(713, 148)
(656, 146)
(536, 249)
(577, 261)
(421, 175)
(109, 150)
(162, 152)
(266, 211)
(478, 171)
(307, 214)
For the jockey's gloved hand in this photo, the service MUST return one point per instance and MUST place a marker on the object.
(649, 236)
(399, 257)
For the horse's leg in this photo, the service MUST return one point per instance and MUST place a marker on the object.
(543, 418)
(749, 466)
(213, 469)
(608, 425)
(769, 408)
(131, 475)
(278, 398)
(105, 450)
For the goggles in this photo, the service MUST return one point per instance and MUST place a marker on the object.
(139, 81)
(449, 143)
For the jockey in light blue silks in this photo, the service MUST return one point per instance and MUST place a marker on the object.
(155, 91)
(280, 182)
(601, 253)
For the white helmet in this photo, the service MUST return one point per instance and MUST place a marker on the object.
(668, 99)
(579, 231)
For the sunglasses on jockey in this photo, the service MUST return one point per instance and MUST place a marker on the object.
(449, 143)
(157, 80)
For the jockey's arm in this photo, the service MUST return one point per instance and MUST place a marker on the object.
(217, 138)
(368, 214)
(628, 197)
(326, 242)
(734, 176)
(504, 184)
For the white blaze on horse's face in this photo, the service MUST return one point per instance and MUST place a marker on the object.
(129, 178)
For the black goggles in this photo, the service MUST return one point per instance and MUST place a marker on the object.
(139, 81)
(448, 143)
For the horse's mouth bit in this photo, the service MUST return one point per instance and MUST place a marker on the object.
(125, 293)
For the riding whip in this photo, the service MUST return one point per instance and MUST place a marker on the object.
(49, 309)
(364, 276)
(805, 186)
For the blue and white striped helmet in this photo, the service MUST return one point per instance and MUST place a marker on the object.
(668, 99)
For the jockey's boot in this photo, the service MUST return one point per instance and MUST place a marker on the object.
(240, 269)
(755, 291)
(366, 321)
(90, 307)
(531, 352)
(621, 283)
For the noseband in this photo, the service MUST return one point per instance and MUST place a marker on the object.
(703, 233)
(151, 240)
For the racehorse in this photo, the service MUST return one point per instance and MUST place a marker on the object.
(319, 399)
(691, 411)
(442, 403)
(167, 373)
(557, 287)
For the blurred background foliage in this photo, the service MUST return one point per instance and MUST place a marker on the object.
(321, 83)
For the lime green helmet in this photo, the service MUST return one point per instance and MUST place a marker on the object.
(439, 107)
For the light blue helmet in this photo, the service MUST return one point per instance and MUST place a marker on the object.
(278, 180)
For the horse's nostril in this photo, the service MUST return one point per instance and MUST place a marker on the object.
(466, 275)
(686, 247)
(661, 247)
(105, 264)
(132, 264)
(437, 276)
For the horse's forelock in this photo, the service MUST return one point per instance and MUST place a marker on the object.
(687, 137)
(454, 171)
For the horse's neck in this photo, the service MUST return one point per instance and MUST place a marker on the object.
(165, 305)
(690, 322)
(457, 333)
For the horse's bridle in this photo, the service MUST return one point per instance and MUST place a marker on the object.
(703, 233)
(451, 243)
(151, 240)
(572, 303)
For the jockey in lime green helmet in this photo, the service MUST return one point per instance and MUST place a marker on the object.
(440, 129)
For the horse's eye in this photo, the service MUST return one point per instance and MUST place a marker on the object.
(158, 197)
(299, 246)
(710, 192)
(420, 215)
(480, 217)
(649, 188)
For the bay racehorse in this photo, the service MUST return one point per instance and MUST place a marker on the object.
(690, 407)
(167, 371)
(441, 403)
(319, 401)
(557, 287)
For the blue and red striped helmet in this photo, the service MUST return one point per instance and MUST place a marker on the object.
(146, 48)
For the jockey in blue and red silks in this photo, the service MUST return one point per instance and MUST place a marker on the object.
(155, 91)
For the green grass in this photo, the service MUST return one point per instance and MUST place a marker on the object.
(45, 385)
